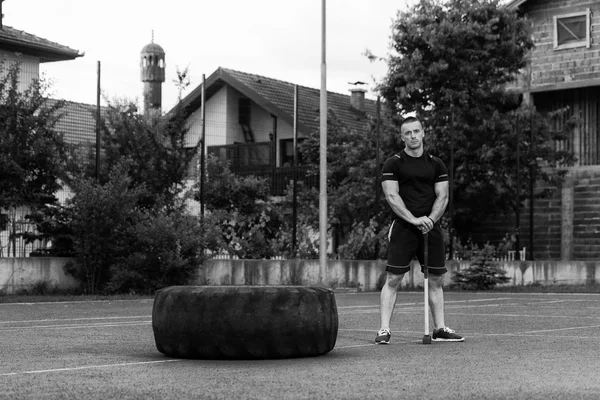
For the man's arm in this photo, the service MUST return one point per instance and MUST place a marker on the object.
(390, 189)
(441, 200)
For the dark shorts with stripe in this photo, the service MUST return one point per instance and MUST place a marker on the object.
(406, 242)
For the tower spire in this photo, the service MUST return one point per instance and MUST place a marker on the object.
(152, 69)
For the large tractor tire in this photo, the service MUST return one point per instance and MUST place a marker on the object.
(244, 322)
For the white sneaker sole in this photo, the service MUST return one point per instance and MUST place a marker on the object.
(448, 340)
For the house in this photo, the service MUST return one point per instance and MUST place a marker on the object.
(250, 120)
(77, 124)
(564, 71)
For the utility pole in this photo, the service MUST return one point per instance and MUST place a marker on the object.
(203, 149)
(98, 126)
(323, 155)
(377, 161)
(518, 194)
(295, 174)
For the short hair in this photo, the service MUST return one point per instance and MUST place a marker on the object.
(410, 119)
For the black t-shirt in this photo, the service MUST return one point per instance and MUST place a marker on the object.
(416, 178)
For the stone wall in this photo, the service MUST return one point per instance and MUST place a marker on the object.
(23, 273)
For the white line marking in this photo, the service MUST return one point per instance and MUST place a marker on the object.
(415, 303)
(511, 335)
(375, 331)
(79, 326)
(356, 345)
(560, 329)
(524, 315)
(418, 307)
(142, 300)
(72, 319)
(43, 371)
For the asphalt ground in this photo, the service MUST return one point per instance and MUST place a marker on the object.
(518, 346)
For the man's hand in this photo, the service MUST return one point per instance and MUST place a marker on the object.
(425, 224)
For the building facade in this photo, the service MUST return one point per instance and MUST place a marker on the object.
(563, 72)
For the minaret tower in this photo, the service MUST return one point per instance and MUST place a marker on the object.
(152, 68)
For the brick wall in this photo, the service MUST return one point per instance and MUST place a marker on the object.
(584, 241)
(546, 228)
(561, 66)
(586, 219)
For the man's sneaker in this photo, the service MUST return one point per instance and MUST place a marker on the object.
(383, 337)
(446, 334)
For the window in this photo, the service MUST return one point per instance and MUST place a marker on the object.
(287, 152)
(244, 110)
(572, 30)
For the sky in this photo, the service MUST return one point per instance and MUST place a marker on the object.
(280, 39)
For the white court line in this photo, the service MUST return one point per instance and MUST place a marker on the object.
(559, 329)
(75, 302)
(419, 307)
(352, 346)
(524, 315)
(469, 335)
(511, 335)
(78, 326)
(375, 330)
(43, 371)
(71, 319)
(414, 303)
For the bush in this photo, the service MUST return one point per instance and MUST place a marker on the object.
(101, 217)
(164, 250)
(251, 224)
(365, 242)
(482, 274)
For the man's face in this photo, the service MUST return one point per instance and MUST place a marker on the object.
(412, 135)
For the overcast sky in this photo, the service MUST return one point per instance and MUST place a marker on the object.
(280, 39)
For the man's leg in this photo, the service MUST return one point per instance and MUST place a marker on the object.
(388, 298)
(436, 300)
(441, 333)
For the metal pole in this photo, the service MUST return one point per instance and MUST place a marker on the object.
(451, 194)
(531, 186)
(377, 160)
(98, 125)
(295, 174)
(323, 156)
(203, 149)
(274, 156)
(518, 195)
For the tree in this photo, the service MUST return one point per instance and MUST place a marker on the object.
(100, 219)
(482, 274)
(250, 222)
(352, 184)
(154, 146)
(32, 153)
(451, 64)
(155, 149)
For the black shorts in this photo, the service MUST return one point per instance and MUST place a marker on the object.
(406, 242)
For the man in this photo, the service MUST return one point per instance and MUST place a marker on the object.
(415, 185)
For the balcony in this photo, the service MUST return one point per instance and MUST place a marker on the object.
(255, 159)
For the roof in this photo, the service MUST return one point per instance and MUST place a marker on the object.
(277, 97)
(152, 48)
(514, 4)
(20, 41)
(78, 123)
